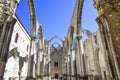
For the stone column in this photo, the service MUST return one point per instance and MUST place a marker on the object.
(32, 35)
(37, 61)
(79, 59)
(44, 66)
(109, 18)
(5, 42)
(108, 46)
(68, 67)
(71, 65)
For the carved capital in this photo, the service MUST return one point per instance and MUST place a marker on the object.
(7, 7)
(78, 37)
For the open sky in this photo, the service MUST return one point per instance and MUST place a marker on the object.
(55, 16)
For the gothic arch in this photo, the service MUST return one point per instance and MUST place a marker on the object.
(56, 43)
(56, 38)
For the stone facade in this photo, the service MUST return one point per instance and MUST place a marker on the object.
(95, 58)
(17, 61)
(96, 63)
(56, 63)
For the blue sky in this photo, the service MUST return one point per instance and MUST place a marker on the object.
(55, 16)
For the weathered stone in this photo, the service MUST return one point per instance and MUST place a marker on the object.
(111, 14)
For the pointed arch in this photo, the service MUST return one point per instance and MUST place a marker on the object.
(54, 38)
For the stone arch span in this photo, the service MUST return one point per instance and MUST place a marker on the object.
(56, 43)
(55, 37)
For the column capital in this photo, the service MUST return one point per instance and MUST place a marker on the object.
(7, 7)
(78, 37)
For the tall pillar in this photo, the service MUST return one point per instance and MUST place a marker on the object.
(72, 60)
(32, 35)
(109, 24)
(5, 42)
(7, 9)
(68, 67)
(78, 39)
(79, 60)
(37, 61)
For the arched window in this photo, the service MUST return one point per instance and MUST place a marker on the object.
(27, 47)
(56, 64)
(16, 38)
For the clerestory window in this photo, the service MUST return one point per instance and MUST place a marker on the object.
(16, 38)
(56, 64)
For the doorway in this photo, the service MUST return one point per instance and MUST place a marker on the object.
(56, 75)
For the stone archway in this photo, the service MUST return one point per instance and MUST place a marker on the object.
(55, 37)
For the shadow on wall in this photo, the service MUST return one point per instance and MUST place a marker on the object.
(15, 54)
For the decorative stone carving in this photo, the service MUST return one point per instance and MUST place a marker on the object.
(7, 7)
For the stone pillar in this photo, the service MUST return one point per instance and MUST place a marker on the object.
(44, 66)
(32, 34)
(68, 67)
(109, 18)
(79, 60)
(37, 61)
(73, 75)
(71, 64)
(5, 42)
(97, 64)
